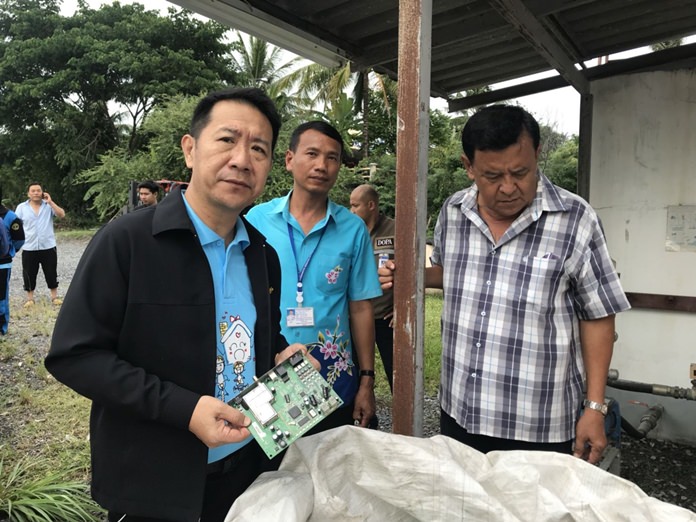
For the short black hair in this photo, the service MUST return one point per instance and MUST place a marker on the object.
(249, 95)
(149, 185)
(318, 125)
(496, 128)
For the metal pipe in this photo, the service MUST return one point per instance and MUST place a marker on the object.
(650, 419)
(655, 389)
(630, 430)
(648, 422)
(631, 386)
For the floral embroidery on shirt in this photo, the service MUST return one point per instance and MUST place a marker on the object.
(333, 347)
(332, 277)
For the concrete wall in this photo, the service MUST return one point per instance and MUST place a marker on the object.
(644, 161)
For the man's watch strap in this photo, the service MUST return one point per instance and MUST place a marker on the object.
(597, 406)
(367, 373)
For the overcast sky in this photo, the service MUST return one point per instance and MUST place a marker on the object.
(559, 108)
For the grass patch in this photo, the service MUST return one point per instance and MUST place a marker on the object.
(431, 356)
(29, 496)
(57, 432)
(7, 351)
(40, 419)
(76, 233)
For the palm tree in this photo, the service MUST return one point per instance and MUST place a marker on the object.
(326, 87)
(260, 64)
(339, 113)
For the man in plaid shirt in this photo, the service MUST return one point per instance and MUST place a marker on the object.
(530, 295)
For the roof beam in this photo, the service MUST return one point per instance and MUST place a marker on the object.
(241, 15)
(682, 56)
(506, 93)
(531, 29)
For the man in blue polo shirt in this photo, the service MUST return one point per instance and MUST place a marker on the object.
(172, 311)
(328, 269)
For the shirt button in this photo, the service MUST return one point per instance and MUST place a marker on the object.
(483, 314)
(473, 375)
(478, 345)
(488, 283)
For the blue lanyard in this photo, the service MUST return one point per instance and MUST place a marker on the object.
(301, 272)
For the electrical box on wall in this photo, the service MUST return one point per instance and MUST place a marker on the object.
(692, 371)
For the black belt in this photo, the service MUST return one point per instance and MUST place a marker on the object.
(222, 466)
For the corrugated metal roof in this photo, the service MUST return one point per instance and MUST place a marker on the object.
(474, 42)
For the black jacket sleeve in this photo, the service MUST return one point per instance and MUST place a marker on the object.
(117, 343)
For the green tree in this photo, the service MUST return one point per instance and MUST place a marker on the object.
(339, 113)
(74, 88)
(384, 181)
(109, 180)
(260, 64)
(324, 87)
(562, 165)
(381, 119)
(446, 174)
(551, 139)
(318, 85)
(26, 146)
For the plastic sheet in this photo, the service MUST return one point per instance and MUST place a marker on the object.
(354, 474)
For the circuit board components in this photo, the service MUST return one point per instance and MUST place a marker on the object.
(285, 403)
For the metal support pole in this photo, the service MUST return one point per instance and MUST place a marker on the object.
(585, 146)
(415, 18)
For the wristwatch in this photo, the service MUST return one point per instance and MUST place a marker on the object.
(597, 406)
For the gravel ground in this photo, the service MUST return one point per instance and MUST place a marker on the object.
(662, 469)
(69, 253)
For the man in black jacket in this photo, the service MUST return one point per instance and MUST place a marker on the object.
(171, 312)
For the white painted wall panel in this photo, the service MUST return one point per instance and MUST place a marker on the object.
(644, 160)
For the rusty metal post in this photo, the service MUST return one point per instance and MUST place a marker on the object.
(415, 18)
(585, 145)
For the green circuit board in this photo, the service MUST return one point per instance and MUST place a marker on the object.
(285, 403)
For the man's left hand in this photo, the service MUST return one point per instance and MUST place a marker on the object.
(590, 437)
(297, 347)
(365, 406)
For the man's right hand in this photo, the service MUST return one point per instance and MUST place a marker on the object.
(386, 274)
(433, 275)
(216, 423)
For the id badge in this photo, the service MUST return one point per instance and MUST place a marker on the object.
(300, 316)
